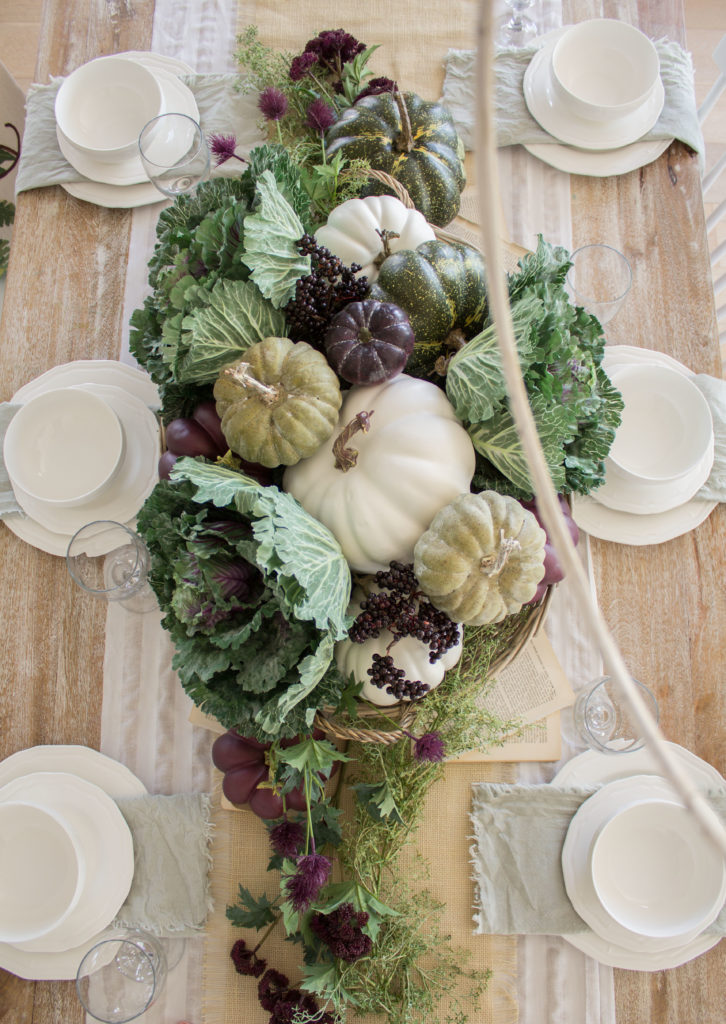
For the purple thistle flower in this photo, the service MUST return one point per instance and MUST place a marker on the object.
(287, 838)
(301, 65)
(312, 873)
(375, 87)
(246, 960)
(222, 148)
(320, 116)
(429, 747)
(272, 987)
(272, 103)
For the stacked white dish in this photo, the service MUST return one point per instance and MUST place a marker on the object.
(100, 110)
(595, 87)
(84, 446)
(662, 454)
(66, 856)
(637, 869)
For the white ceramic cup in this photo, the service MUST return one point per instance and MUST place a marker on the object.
(42, 871)
(102, 106)
(63, 447)
(604, 69)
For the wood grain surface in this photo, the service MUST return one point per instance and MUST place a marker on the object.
(63, 301)
(666, 604)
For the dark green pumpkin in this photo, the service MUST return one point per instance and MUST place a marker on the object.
(428, 161)
(442, 287)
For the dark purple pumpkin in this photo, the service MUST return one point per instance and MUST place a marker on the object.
(369, 341)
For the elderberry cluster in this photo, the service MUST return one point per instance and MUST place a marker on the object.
(329, 287)
(401, 608)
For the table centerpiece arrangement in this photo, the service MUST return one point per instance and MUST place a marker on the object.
(347, 539)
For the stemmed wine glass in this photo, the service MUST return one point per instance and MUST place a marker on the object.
(174, 153)
(121, 976)
(108, 560)
(601, 718)
(518, 30)
(599, 280)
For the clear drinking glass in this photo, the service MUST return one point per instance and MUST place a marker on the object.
(174, 153)
(121, 976)
(518, 30)
(602, 718)
(599, 280)
(108, 560)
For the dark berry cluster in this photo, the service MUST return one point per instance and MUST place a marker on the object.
(342, 932)
(401, 608)
(329, 287)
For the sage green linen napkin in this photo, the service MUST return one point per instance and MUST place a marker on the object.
(519, 831)
(222, 110)
(169, 895)
(713, 390)
(8, 503)
(515, 124)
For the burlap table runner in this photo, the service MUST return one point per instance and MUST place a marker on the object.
(239, 854)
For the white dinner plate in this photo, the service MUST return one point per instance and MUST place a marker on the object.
(592, 768)
(83, 371)
(598, 163)
(133, 482)
(178, 98)
(117, 781)
(576, 852)
(547, 110)
(107, 846)
(626, 527)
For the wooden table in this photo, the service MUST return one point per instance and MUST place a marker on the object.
(666, 604)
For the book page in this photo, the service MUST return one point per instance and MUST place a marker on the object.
(538, 741)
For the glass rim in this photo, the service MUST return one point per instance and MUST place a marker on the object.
(133, 539)
(639, 742)
(625, 265)
(120, 941)
(198, 133)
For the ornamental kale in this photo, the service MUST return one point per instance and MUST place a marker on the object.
(576, 408)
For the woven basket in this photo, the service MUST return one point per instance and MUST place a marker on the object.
(343, 727)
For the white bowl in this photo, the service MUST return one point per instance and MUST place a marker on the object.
(655, 873)
(604, 69)
(63, 447)
(666, 430)
(42, 871)
(102, 106)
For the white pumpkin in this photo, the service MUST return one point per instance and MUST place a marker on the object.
(413, 460)
(356, 231)
(408, 654)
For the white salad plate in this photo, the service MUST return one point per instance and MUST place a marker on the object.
(621, 527)
(112, 777)
(593, 769)
(178, 98)
(107, 847)
(546, 109)
(576, 869)
(598, 163)
(105, 372)
(126, 197)
(133, 481)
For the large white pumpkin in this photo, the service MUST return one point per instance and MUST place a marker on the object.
(356, 231)
(414, 459)
(408, 654)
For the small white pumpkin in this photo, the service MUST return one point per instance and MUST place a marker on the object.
(408, 654)
(378, 491)
(366, 231)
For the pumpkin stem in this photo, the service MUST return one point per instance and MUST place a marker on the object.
(492, 565)
(346, 458)
(241, 374)
(403, 142)
(455, 340)
(385, 236)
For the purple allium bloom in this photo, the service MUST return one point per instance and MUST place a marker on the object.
(312, 873)
(375, 87)
(320, 116)
(272, 987)
(429, 747)
(246, 960)
(301, 65)
(287, 838)
(222, 147)
(342, 932)
(335, 43)
(272, 103)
